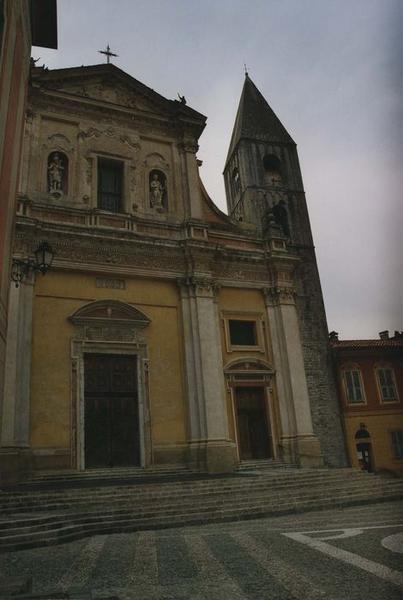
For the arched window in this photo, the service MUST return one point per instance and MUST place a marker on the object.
(272, 170)
(158, 190)
(57, 172)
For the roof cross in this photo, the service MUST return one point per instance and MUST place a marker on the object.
(107, 53)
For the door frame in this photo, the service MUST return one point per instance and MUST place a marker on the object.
(139, 352)
(254, 373)
(267, 410)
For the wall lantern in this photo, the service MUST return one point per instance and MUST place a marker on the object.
(43, 261)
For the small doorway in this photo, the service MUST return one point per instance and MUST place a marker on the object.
(364, 449)
(111, 416)
(254, 438)
(364, 454)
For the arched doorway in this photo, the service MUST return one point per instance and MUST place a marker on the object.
(364, 449)
(110, 404)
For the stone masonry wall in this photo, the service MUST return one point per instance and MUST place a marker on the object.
(325, 408)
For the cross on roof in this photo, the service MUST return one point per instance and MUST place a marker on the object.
(107, 53)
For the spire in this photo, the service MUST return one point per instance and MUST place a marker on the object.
(256, 120)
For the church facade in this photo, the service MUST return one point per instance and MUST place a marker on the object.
(166, 332)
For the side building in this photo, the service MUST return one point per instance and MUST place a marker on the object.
(370, 379)
(166, 332)
(22, 23)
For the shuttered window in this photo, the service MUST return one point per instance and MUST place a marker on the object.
(353, 385)
(387, 385)
(397, 440)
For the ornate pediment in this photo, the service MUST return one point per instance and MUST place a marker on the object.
(108, 84)
(109, 313)
(250, 366)
(106, 91)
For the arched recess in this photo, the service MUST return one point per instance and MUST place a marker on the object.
(254, 413)
(273, 170)
(111, 330)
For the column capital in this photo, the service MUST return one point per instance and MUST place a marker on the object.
(275, 295)
(199, 286)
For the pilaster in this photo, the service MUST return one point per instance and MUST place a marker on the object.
(15, 424)
(209, 444)
(298, 440)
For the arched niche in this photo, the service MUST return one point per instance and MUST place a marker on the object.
(158, 189)
(57, 173)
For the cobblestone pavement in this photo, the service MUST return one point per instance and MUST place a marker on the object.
(248, 560)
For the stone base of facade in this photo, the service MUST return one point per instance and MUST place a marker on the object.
(16, 464)
(49, 459)
(170, 454)
(304, 451)
(213, 456)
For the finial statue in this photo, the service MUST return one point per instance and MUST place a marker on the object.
(182, 98)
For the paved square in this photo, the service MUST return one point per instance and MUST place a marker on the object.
(352, 553)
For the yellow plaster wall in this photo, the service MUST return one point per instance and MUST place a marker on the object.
(57, 296)
(242, 302)
(380, 428)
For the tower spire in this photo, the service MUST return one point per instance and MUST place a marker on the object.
(255, 119)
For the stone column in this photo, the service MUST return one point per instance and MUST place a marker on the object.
(298, 440)
(15, 432)
(209, 442)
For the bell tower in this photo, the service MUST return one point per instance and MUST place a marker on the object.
(264, 189)
(262, 176)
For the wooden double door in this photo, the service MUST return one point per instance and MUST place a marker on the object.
(254, 432)
(111, 411)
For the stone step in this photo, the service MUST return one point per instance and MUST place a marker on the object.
(240, 479)
(125, 524)
(112, 473)
(260, 465)
(167, 503)
(192, 495)
(42, 504)
(202, 481)
(48, 521)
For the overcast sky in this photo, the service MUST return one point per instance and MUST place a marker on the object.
(330, 69)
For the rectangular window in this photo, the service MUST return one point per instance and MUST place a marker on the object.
(354, 391)
(110, 184)
(242, 333)
(387, 385)
(397, 440)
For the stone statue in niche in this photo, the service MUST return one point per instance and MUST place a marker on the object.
(158, 191)
(57, 173)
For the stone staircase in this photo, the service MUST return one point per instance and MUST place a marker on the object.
(56, 508)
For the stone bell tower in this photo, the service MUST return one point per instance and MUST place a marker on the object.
(264, 189)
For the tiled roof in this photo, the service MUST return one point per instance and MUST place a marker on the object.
(356, 344)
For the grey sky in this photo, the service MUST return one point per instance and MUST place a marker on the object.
(331, 70)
